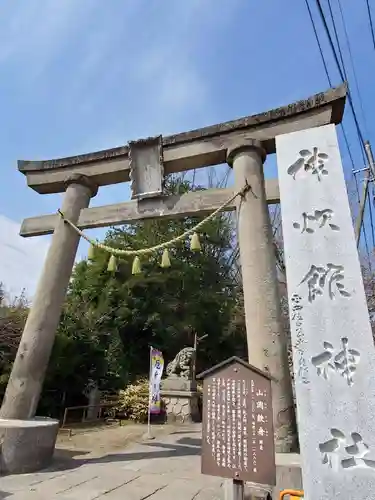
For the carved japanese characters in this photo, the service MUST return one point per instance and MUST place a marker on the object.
(238, 439)
(327, 279)
(310, 161)
(342, 451)
(343, 363)
(296, 318)
(317, 219)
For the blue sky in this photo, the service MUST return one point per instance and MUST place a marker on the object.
(83, 75)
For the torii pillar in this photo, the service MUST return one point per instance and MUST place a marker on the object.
(26, 379)
(266, 340)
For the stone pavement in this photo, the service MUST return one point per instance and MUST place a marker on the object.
(163, 469)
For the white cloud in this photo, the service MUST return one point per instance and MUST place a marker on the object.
(158, 57)
(177, 82)
(33, 33)
(21, 259)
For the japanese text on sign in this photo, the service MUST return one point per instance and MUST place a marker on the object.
(238, 434)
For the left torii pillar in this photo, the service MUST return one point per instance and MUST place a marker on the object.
(26, 379)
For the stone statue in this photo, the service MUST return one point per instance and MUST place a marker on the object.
(182, 365)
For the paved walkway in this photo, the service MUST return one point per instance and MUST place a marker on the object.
(165, 469)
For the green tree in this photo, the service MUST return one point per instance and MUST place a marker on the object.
(123, 315)
(110, 320)
(12, 319)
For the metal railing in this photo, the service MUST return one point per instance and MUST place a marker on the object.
(99, 407)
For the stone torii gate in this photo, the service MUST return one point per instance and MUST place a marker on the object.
(243, 144)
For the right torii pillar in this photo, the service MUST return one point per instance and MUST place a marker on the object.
(266, 339)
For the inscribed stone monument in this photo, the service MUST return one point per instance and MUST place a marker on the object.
(333, 350)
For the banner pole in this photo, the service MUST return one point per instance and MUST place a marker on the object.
(149, 435)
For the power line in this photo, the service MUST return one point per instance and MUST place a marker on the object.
(343, 75)
(363, 227)
(362, 110)
(327, 75)
(318, 42)
(328, 33)
(352, 65)
(349, 96)
(337, 40)
(328, 78)
(371, 24)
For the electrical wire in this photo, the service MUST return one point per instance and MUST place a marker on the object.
(363, 229)
(328, 33)
(328, 78)
(318, 42)
(353, 66)
(371, 23)
(358, 93)
(337, 40)
(343, 73)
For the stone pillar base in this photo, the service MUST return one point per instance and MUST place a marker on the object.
(181, 407)
(27, 445)
(288, 473)
(180, 399)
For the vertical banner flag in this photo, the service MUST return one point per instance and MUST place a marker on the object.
(156, 372)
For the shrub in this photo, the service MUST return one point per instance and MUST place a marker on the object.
(133, 401)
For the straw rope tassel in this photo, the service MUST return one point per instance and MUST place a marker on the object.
(136, 268)
(112, 264)
(165, 260)
(91, 253)
(195, 245)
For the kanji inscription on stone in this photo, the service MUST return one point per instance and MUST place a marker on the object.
(332, 340)
(238, 440)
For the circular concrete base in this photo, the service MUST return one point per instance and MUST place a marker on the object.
(27, 445)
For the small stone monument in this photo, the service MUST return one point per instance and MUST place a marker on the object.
(179, 391)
